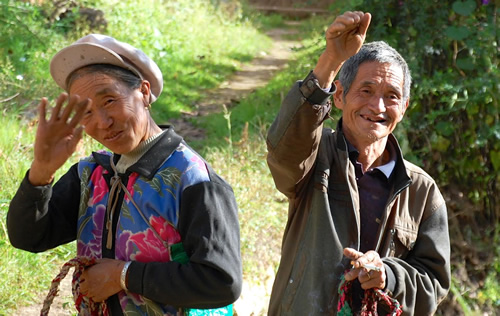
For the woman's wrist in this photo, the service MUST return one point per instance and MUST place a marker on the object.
(123, 276)
(38, 175)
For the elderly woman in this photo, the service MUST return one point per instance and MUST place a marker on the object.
(160, 224)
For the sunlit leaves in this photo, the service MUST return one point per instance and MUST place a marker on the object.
(464, 7)
(458, 32)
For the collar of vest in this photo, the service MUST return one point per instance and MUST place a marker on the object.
(152, 160)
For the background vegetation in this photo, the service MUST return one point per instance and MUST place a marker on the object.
(452, 128)
(196, 44)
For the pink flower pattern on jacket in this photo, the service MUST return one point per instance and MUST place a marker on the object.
(100, 186)
(158, 199)
(148, 247)
(130, 185)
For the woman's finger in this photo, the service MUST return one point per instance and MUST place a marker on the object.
(81, 108)
(57, 109)
(42, 111)
(68, 109)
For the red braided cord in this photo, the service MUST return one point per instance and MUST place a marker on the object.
(369, 302)
(83, 304)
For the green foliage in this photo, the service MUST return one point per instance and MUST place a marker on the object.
(195, 44)
(25, 48)
(452, 50)
(259, 108)
(262, 208)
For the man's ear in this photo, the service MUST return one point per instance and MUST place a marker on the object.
(145, 89)
(338, 96)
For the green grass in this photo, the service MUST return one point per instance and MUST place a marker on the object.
(262, 209)
(196, 46)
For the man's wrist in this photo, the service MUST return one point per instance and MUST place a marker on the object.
(326, 69)
(313, 92)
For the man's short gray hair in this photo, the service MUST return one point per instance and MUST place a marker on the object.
(375, 51)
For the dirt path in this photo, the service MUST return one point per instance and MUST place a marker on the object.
(251, 77)
(254, 298)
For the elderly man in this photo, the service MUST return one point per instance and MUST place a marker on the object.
(156, 225)
(358, 211)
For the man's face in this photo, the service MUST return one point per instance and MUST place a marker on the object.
(374, 104)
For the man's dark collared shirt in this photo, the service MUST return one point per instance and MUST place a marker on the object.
(374, 189)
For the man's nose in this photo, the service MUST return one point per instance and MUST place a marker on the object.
(377, 103)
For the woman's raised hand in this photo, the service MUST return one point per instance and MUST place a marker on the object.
(56, 137)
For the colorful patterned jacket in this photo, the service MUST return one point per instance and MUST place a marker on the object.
(173, 189)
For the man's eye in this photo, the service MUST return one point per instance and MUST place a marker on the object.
(393, 96)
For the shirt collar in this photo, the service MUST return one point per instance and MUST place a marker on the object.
(387, 168)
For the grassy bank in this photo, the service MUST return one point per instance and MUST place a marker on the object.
(195, 44)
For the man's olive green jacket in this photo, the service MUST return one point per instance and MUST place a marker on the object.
(310, 165)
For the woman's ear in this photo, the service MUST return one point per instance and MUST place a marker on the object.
(338, 96)
(145, 89)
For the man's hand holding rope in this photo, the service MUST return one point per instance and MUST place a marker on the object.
(368, 268)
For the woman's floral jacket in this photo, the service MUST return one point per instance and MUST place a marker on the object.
(173, 189)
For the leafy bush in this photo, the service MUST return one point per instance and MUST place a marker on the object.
(453, 124)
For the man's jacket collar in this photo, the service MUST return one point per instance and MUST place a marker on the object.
(399, 175)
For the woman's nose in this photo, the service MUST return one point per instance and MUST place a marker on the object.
(104, 120)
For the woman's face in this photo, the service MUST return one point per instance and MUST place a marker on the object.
(118, 116)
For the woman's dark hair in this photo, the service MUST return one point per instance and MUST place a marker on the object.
(123, 75)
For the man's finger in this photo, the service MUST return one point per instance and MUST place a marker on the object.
(353, 274)
(365, 23)
(352, 253)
